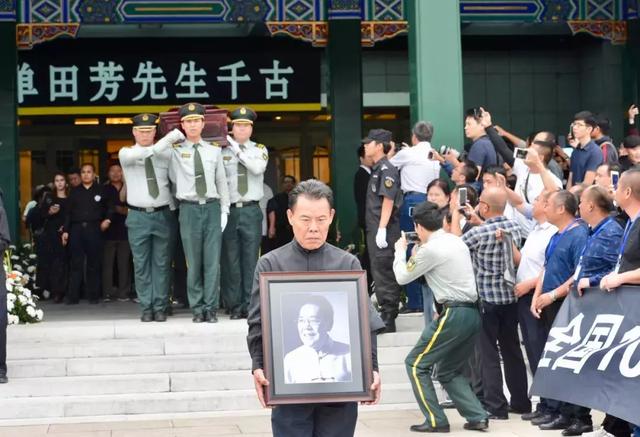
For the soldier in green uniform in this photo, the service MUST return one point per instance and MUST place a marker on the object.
(150, 221)
(197, 172)
(244, 164)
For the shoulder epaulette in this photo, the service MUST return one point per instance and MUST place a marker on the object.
(260, 146)
(215, 144)
(176, 145)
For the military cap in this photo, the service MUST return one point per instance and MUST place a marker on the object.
(191, 110)
(243, 115)
(144, 121)
(377, 135)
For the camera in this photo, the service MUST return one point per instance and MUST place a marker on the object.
(520, 153)
(444, 150)
(412, 237)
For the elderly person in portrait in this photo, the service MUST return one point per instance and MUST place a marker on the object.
(319, 358)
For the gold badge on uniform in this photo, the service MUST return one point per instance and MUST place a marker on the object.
(264, 156)
(186, 155)
(243, 111)
(192, 107)
(145, 117)
(388, 182)
(411, 264)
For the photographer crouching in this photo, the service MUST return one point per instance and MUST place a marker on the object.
(449, 341)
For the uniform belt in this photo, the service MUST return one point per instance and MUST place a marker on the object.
(199, 202)
(460, 304)
(411, 193)
(243, 204)
(150, 209)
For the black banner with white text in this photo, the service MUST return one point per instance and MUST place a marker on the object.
(592, 355)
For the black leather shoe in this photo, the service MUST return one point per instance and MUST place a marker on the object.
(211, 317)
(390, 326)
(426, 427)
(198, 318)
(160, 316)
(578, 427)
(532, 415)
(3, 379)
(519, 410)
(545, 418)
(477, 426)
(447, 404)
(236, 316)
(560, 422)
(169, 311)
(499, 416)
(146, 317)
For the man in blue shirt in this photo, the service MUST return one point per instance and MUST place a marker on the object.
(561, 260)
(482, 152)
(586, 156)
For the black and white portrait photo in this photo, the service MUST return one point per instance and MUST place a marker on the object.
(320, 352)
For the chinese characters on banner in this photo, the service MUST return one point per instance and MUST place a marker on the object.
(125, 80)
(592, 355)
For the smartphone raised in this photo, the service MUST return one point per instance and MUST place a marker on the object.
(519, 153)
(615, 176)
(412, 237)
(462, 196)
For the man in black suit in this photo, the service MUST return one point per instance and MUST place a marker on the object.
(360, 185)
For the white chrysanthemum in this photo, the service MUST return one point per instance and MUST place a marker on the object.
(31, 311)
(9, 305)
(23, 299)
(26, 246)
(39, 314)
(18, 267)
(33, 256)
(12, 247)
(31, 269)
(9, 284)
(13, 319)
(11, 297)
(15, 257)
(26, 292)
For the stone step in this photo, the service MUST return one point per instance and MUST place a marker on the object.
(37, 368)
(153, 403)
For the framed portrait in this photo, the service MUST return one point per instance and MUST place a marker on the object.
(316, 337)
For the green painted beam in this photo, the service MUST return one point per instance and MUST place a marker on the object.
(8, 126)
(344, 56)
(435, 68)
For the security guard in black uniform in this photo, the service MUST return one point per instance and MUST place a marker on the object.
(384, 199)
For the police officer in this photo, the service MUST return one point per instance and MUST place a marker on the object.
(244, 165)
(384, 198)
(5, 240)
(151, 223)
(201, 188)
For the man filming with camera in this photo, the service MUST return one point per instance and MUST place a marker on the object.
(448, 341)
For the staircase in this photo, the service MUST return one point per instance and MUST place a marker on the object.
(125, 367)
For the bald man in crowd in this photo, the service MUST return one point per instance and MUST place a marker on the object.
(493, 245)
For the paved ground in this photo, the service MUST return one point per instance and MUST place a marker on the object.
(373, 422)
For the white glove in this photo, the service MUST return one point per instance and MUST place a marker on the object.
(223, 220)
(176, 136)
(233, 144)
(381, 238)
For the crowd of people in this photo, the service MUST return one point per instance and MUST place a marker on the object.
(509, 227)
(486, 242)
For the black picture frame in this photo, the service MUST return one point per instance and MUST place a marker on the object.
(342, 371)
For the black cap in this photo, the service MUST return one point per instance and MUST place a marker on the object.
(144, 121)
(631, 141)
(377, 135)
(243, 115)
(191, 110)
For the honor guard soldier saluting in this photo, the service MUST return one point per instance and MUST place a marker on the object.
(150, 222)
(384, 198)
(201, 188)
(244, 164)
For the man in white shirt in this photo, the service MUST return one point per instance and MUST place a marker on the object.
(150, 221)
(417, 170)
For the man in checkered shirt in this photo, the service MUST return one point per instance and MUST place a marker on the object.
(489, 244)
